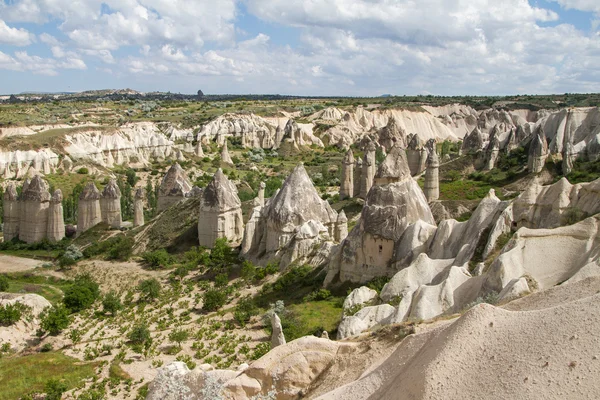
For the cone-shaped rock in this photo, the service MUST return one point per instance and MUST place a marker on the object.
(416, 155)
(198, 150)
(492, 151)
(220, 212)
(394, 168)
(56, 221)
(357, 176)
(110, 205)
(347, 181)
(225, 157)
(35, 204)
(88, 211)
(369, 167)
(11, 212)
(138, 207)
(473, 142)
(173, 188)
(296, 203)
(392, 134)
(341, 227)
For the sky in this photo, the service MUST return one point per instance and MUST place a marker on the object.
(302, 47)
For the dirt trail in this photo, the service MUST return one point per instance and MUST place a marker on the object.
(17, 264)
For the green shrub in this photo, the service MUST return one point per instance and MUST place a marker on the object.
(81, 294)
(54, 319)
(213, 300)
(3, 283)
(118, 247)
(139, 334)
(179, 336)
(83, 171)
(320, 294)
(157, 259)
(10, 314)
(221, 280)
(111, 302)
(54, 389)
(260, 350)
(150, 289)
(378, 283)
(244, 310)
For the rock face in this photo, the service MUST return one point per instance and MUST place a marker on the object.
(56, 222)
(291, 224)
(277, 337)
(225, 157)
(89, 213)
(220, 212)
(538, 151)
(19, 335)
(110, 205)
(198, 149)
(491, 152)
(357, 176)
(347, 181)
(432, 177)
(393, 204)
(416, 155)
(35, 203)
(11, 213)
(392, 134)
(138, 207)
(369, 167)
(173, 188)
(341, 227)
(473, 142)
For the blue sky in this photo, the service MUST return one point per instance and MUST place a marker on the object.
(303, 47)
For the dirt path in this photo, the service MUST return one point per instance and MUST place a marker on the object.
(17, 264)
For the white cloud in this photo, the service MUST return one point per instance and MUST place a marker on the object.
(23, 61)
(581, 5)
(14, 36)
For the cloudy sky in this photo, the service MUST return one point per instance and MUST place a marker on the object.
(304, 47)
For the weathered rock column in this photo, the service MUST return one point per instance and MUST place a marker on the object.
(357, 176)
(538, 151)
(491, 152)
(225, 157)
(277, 337)
(432, 177)
(413, 154)
(11, 212)
(35, 203)
(173, 188)
(56, 221)
(198, 150)
(347, 181)
(341, 227)
(138, 207)
(260, 199)
(368, 171)
(110, 205)
(88, 211)
(220, 212)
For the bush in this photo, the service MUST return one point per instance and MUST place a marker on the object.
(213, 300)
(244, 310)
(221, 280)
(83, 171)
(54, 389)
(118, 247)
(139, 335)
(221, 256)
(260, 350)
(317, 295)
(178, 336)
(248, 271)
(150, 289)
(11, 313)
(111, 302)
(157, 259)
(3, 283)
(54, 319)
(81, 294)
(70, 256)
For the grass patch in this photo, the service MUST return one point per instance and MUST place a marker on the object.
(48, 287)
(116, 372)
(465, 189)
(317, 316)
(26, 374)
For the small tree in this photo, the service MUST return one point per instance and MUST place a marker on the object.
(111, 302)
(54, 319)
(140, 334)
(150, 289)
(214, 299)
(54, 389)
(178, 336)
(81, 294)
(3, 283)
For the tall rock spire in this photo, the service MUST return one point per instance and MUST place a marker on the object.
(110, 205)
(347, 181)
(88, 211)
(56, 221)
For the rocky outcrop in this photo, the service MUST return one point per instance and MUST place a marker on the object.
(12, 213)
(198, 149)
(391, 207)
(492, 151)
(89, 213)
(35, 202)
(369, 167)
(391, 135)
(254, 131)
(347, 180)
(341, 227)
(538, 151)
(291, 225)
(220, 212)
(225, 157)
(22, 333)
(173, 188)
(416, 155)
(357, 176)
(56, 222)
(110, 205)
(473, 142)
(277, 337)
(432, 177)
(138, 207)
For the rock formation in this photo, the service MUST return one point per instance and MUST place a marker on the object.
(138, 207)
(357, 176)
(491, 152)
(394, 203)
(12, 213)
(341, 227)
(392, 134)
(369, 167)
(88, 211)
(432, 177)
(259, 201)
(173, 188)
(291, 224)
(473, 142)
(538, 151)
(225, 157)
(416, 155)
(56, 221)
(198, 149)
(347, 180)
(110, 205)
(277, 337)
(220, 212)
(35, 203)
